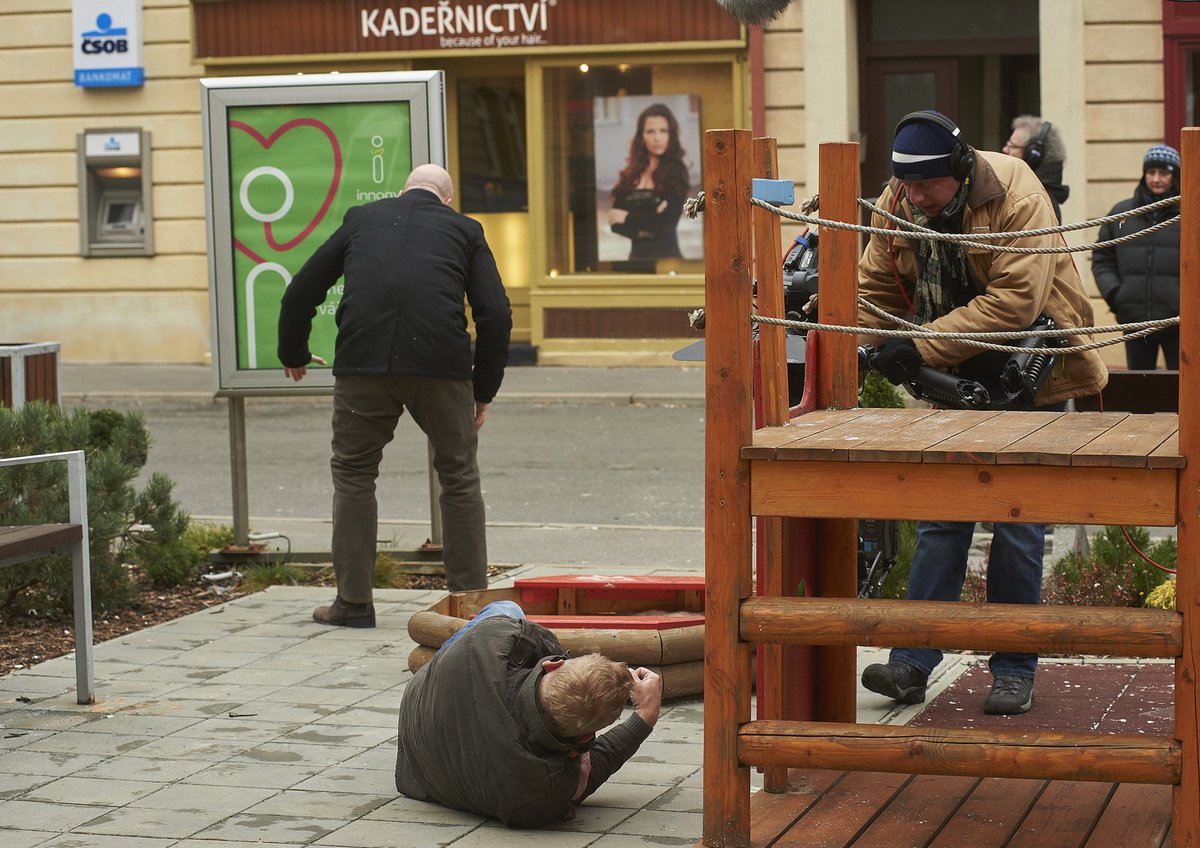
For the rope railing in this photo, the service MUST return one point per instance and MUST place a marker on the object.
(1135, 330)
(979, 340)
(967, 239)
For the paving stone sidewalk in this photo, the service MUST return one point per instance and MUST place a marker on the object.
(249, 724)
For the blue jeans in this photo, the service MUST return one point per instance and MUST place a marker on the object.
(1014, 576)
(506, 608)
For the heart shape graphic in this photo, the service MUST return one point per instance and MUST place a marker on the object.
(267, 142)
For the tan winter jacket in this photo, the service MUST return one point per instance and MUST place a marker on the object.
(1014, 288)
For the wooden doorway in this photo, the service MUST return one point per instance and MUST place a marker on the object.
(891, 89)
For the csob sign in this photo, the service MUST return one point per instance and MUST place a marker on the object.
(107, 43)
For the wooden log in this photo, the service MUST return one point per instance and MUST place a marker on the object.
(979, 753)
(727, 526)
(681, 680)
(1185, 827)
(955, 625)
(636, 647)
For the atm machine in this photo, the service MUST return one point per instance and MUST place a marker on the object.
(114, 193)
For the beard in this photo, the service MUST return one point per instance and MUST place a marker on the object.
(757, 12)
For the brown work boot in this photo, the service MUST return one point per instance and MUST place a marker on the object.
(343, 614)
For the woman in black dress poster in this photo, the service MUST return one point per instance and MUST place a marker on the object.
(649, 194)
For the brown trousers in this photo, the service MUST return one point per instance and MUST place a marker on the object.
(366, 409)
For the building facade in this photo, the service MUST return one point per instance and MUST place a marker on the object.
(543, 103)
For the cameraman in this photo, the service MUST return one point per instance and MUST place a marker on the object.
(941, 183)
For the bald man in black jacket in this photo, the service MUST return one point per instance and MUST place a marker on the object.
(402, 343)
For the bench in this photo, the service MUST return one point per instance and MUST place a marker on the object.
(21, 543)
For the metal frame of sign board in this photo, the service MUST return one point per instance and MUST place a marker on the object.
(424, 91)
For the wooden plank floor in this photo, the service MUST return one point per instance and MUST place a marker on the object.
(1093, 439)
(830, 809)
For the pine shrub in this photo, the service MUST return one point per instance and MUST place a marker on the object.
(116, 445)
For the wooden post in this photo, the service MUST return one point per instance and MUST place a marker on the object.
(837, 388)
(772, 400)
(727, 526)
(1185, 826)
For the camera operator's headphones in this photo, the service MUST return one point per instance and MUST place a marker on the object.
(1035, 149)
(962, 157)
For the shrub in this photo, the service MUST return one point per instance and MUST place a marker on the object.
(878, 393)
(895, 585)
(1163, 595)
(116, 446)
(1113, 574)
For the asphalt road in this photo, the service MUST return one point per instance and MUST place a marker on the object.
(581, 483)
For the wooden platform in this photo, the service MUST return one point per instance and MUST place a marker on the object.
(1002, 466)
(833, 809)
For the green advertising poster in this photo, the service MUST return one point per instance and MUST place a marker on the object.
(294, 170)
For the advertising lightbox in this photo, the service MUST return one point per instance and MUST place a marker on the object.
(285, 158)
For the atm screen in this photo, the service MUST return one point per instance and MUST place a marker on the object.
(120, 214)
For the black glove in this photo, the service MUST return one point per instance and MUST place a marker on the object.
(897, 360)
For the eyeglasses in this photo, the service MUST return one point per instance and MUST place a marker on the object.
(1012, 145)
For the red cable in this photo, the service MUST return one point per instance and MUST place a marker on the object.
(1138, 551)
(887, 225)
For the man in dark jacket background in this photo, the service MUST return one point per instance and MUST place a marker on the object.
(1139, 279)
(402, 343)
(501, 723)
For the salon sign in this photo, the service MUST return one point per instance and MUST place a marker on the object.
(462, 25)
(247, 28)
(107, 43)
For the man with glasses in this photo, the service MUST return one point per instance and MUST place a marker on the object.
(1039, 143)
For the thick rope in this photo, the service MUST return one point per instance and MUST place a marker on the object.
(973, 339)
(921, 233)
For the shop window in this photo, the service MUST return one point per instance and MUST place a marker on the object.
(623, 146)
(491, 145)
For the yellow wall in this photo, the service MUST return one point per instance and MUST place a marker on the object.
(152, 309)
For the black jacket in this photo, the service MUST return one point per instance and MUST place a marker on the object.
(1050, 175)
(652, 234)
(470, 735)
(1140, 278)
(408, 262)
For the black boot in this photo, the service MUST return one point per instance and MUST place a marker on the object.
(898, 681)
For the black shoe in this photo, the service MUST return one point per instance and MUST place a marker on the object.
(898, 681)
(343, 614)
(1010, 695)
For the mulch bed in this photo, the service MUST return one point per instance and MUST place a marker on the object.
(29, 640)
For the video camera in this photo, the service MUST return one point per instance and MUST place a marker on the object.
(989, 380)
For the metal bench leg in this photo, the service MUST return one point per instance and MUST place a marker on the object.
(81, 565)
(85, 682)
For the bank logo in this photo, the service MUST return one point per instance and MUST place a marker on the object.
(105, 38)
(108, 45)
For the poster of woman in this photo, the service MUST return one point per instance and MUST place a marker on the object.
(644, 149)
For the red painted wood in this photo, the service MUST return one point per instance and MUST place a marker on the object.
(619, 622)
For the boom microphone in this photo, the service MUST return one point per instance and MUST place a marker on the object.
(757, 12)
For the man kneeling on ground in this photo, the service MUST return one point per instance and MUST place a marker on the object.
(502, 723)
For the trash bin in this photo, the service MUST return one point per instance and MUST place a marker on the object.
(28, 371)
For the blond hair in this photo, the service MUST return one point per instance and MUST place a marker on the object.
(583, 695)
